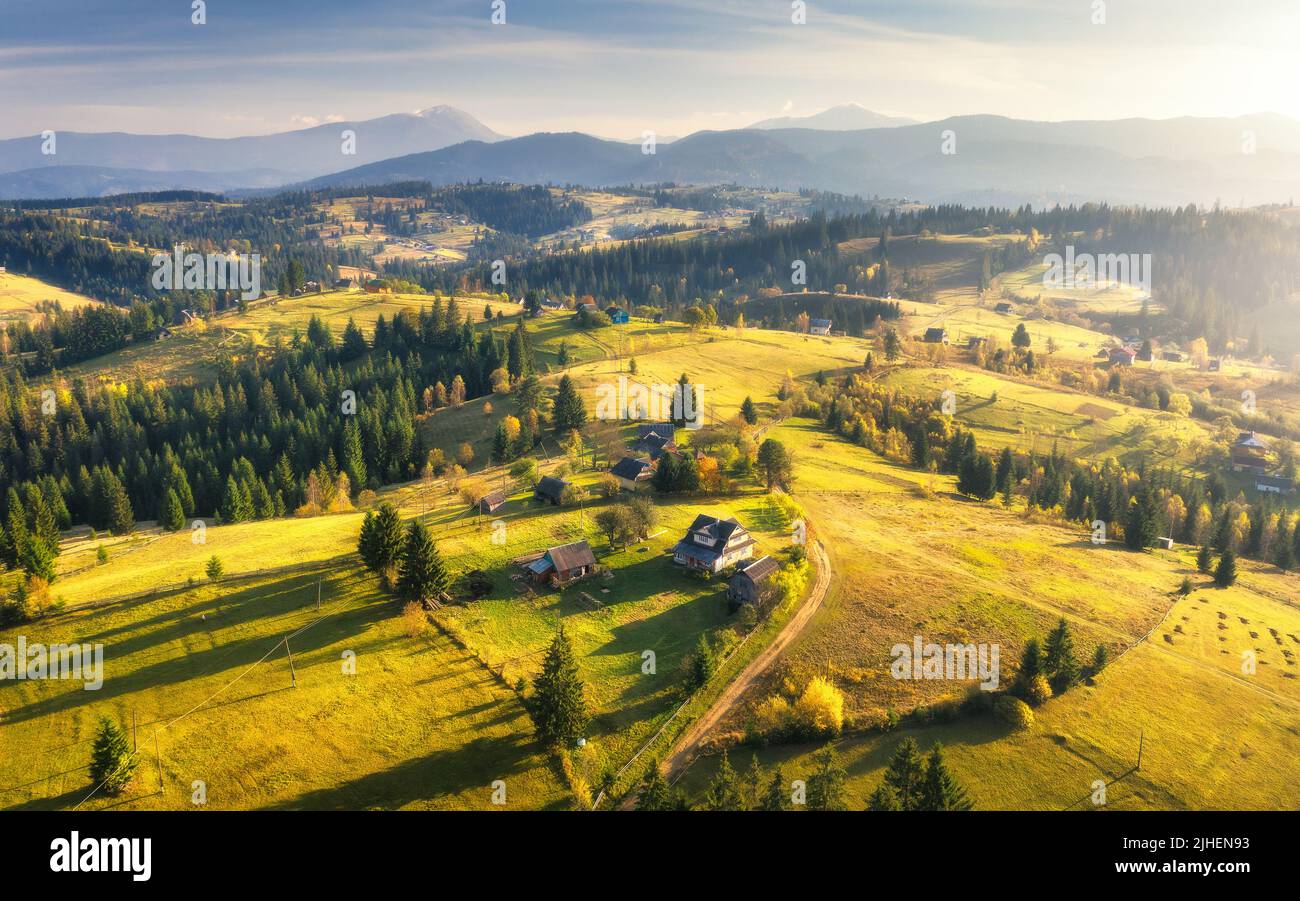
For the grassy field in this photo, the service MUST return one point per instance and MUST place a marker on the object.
(1028, 416)
(421, 724)
(427, 722)
(19, 295)
(911, 557)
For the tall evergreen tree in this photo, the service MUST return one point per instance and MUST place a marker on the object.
(940, 790)
(558, 707)
(905, 775)
(1225, 574)
(1058, 658)
(724, 789)
(827, 785)
(569, 412)
(421, 574)
(776, 797)
(112, 762)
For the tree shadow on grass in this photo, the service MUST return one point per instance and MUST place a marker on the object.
(442, 773)
(228, 657)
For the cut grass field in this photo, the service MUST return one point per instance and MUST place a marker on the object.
(428, 722)
(420, 725)
(1010, 412)
(912, 558)
(20, 294)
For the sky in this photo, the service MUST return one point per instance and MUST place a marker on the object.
(618, 68)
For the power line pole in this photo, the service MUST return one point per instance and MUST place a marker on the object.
(158, 759)
(1141, 741)
(293, 676)
(318, 580)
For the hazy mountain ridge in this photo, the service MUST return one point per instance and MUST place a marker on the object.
(299, 154)
(1248, 159)
(845, 117)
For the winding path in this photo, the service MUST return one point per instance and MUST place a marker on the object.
(688, 745)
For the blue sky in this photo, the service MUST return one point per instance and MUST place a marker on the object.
(619, 68)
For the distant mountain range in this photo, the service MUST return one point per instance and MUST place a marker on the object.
(285, 157)
(846, 117)
(997, 161)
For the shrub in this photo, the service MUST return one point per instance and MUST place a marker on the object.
(819, 711)
(414, 622)
(1037, 691)
(1014, 713)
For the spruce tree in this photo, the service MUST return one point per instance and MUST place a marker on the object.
(724, 789)
(1205, 559)
(112, 763)
(1226, 572)
(1059, 663)
(749, 411)
(173, 517)
(655, 794)
(905, 775)
(421, 574)
(826, 786)
(883, 798)
(569, 412)
(776, 798)
(940, 790)
(121, 518)
(558, 707)
(753, 785)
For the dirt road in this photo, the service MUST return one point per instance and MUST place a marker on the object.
(688, 745)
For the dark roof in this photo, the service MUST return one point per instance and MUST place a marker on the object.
(551, 486)
(760, 570)
(1002, 307)
(571, 556)
(718, 529)
(1275, 482)
(630, 468)
(1250, 439)
(819, 323)
(493, 498)
(935, 334)
(645, 429)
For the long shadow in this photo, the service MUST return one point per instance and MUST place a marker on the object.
(228, 656)
(237, 608)
(478, 762)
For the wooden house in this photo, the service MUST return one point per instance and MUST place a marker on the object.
(563, 565)
(713, 544)
(491, 502)
(752, 583)
(550, 489)
(631, 472)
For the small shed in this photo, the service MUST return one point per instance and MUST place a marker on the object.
(617, 315)
(491, 502)
(819, 326)
(752, 583)
(563, 565)
(550, 489)
(936, 335)
(1003, 307)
